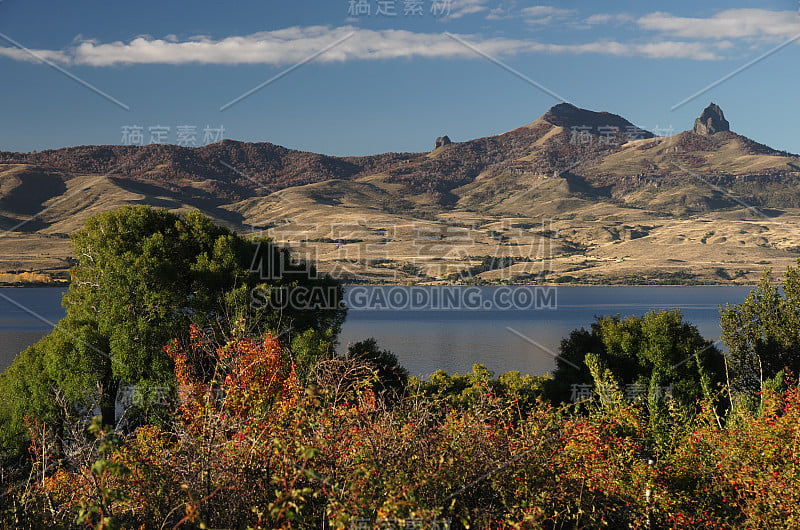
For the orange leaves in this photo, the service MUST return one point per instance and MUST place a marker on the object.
(257, 375)
(188, 375)
(249, 375)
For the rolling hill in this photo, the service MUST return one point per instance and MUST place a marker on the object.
(575, 196)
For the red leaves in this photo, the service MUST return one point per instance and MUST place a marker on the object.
(253, 374)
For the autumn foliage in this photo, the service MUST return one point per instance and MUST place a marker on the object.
(24, 277)
(471, 450)
(242, 376)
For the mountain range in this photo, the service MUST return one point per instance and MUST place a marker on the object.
(576, 196)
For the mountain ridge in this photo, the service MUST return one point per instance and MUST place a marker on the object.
(607, 185)
(237, 169)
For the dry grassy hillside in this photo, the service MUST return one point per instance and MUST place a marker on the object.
(541, 203)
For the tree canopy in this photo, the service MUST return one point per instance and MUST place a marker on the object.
(763, 333)
(391, 378)
(651, 357)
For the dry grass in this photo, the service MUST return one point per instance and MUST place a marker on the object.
(367, 230)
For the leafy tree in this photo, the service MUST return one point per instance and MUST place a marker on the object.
(763, 333)
(646, 356)
(143, 276)
(468, 390)
(26, 390)
(392, 378)
(308, 347)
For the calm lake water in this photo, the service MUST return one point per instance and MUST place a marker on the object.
(503, 328)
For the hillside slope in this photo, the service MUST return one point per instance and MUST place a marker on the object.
(574, 196)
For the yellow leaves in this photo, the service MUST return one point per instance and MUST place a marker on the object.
(24, 277)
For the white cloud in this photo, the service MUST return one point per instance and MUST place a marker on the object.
(460, 8)
(34, 56)
(281, 47)
(653, 50)
(675, 50)
(295, 44)
(544, 14)
(498, 13)
(545, 11)
(609, 18)
(729, 24)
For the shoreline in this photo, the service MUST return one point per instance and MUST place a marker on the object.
(63, 284)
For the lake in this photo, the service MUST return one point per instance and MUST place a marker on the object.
(450, 328)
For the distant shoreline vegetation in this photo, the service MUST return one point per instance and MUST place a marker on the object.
(31, 279)
(63, 283)
(23, 279)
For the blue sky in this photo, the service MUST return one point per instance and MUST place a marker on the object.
(385, 83)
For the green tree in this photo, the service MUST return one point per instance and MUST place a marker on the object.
(763, 333)
(143, 275)
(468, 390)
(646, 355)
(391, 377)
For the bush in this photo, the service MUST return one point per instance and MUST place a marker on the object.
(468, 390)
(391, 379)
(763, 334)
(655, 357)
(455, 450)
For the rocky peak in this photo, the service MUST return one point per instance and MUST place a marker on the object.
(569, 116)
(441, 142)
(563, 109)
(711, 121)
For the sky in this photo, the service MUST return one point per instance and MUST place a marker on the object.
(356, 77)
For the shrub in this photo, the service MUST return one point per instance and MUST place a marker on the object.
(391, 379)
(652, 358)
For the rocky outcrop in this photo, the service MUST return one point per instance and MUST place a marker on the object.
(441, 142)
(577, 119)
(711, 121)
